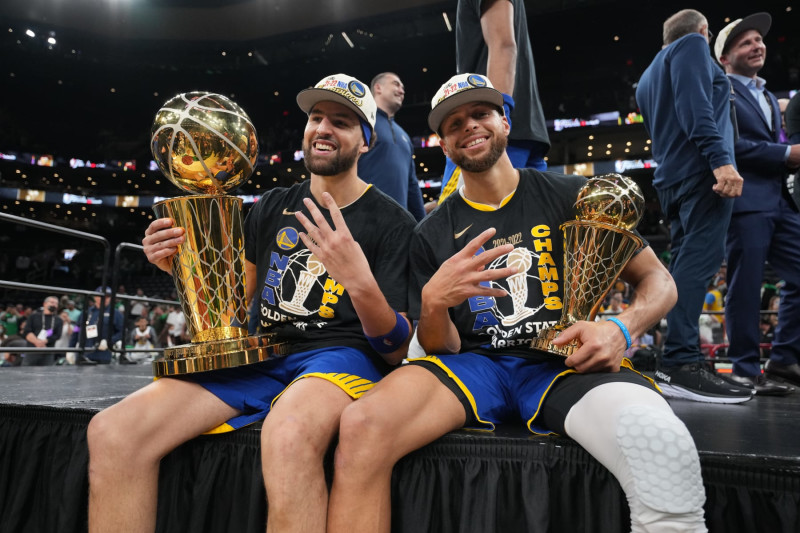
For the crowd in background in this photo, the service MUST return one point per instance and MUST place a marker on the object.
(646, 349)
(146, 326)
(152, 326)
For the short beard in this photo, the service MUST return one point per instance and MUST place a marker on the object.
(475, 165)
(342, 162)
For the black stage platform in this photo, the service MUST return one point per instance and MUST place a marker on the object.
(465, 482)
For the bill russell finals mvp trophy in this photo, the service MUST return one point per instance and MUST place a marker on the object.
(205, 144)
(597, 246)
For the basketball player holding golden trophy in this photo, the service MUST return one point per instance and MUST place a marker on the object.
(206, 144)
(597, 246)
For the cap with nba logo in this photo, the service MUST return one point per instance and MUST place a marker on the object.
(345, 90)
(459, 90)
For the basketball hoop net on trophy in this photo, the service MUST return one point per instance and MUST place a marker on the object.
(597, 246)
(518, 285)
(205, 144)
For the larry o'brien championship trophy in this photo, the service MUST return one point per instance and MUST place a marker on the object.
(597, 246)
(205, 144)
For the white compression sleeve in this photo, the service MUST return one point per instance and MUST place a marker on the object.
(633, 432)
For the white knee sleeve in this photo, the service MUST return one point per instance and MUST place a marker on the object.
(632, 431)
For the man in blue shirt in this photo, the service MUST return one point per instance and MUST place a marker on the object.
(389, 164)
(684, 98)
(765, 225)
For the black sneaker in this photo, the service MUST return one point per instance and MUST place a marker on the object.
(83, 360)
(694, 382)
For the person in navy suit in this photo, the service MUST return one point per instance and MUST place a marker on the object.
(684, 97)
(101, 340)
(765, 225)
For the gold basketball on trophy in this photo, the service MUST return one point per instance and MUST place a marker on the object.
(612, 199)
(205, 143)
(597, 246)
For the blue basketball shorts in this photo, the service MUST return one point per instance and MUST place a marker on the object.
(253, 389)
(499, 388)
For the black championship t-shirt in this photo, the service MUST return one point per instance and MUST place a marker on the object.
(530, 221)
(297, 299)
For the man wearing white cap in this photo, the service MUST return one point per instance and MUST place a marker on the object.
(684, 97)
(500, 225)
(765, 225)
(492, 39)
(326, 260)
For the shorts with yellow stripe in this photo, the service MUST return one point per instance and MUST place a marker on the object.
(503, 388)
(253, 389)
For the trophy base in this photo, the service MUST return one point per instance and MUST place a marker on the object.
(544, 342)
(217, 354)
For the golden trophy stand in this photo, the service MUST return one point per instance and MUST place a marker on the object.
(597, 247)
(205, 143)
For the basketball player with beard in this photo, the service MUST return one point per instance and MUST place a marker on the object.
(477, 319)
(326, 261)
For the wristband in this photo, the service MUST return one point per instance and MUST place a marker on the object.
(392, 340)
(508, 106)
(624, 330)
(508, 101)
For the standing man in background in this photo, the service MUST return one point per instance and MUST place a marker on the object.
(73, 312)
(389, 164)
(684, 98)
(138, 307)
(765, 225)
(505, 56)
(176, 325)
(111, 334)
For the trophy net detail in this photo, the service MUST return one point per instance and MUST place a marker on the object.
(213, 271)
(595, 254)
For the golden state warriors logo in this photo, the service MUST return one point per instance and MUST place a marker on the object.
(287, 238)
(476, 81)
(356, 88)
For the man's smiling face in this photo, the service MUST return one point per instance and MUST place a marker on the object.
(474, 136)
(332, 140)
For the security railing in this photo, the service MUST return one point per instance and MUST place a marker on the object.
(104, 333)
